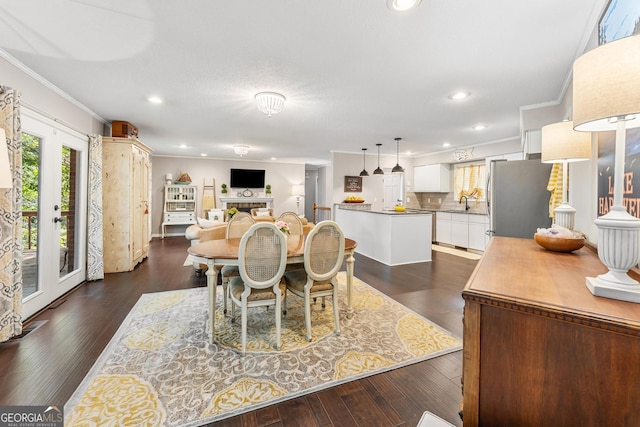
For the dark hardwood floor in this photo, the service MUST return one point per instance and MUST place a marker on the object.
(46, 366)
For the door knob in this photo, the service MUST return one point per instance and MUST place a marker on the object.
(58, 219)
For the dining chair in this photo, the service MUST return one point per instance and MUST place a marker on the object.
(295, 229)
(295, 224)
(262, 258)
(323, 256)
(236, 227)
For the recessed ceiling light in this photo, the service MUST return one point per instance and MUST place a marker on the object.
(479, 127)
(446, 144)
(274, 158)
(402, 5)
(203, 154)
(155, 100)
(183, 146)
(459, 95)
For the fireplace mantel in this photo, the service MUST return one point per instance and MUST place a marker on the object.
(257, 201)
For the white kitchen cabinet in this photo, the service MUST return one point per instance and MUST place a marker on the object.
(460, 230)
(443, 227)
(478, 226)
(432, 178)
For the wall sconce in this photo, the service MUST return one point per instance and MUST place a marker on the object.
(6, 180)
(606, 83)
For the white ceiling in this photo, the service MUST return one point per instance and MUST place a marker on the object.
(354, 72)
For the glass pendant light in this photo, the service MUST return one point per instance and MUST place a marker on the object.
(364, 161)
(378, 171)
(397, 168)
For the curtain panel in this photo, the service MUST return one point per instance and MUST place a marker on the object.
(95, 263)
(11, 220)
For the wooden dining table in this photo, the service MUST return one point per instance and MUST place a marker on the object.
(216, 253)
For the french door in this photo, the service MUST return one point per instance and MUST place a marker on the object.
(54, 192)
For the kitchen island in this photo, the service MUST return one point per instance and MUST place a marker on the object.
(390, 237)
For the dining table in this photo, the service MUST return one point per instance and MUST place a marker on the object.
(219, 252)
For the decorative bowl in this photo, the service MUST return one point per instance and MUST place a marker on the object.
(559, 244)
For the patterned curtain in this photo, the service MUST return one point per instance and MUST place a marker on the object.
(95, 264)
(11, 220)
(470, 181)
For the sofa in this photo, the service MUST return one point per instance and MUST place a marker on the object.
(207, 230)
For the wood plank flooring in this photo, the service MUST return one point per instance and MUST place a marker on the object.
(46, 366)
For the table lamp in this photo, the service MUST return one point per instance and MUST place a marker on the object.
(298, 191)
(561, 144)
(606, 88)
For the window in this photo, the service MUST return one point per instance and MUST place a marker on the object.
(469, 180)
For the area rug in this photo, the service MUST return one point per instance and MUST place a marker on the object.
(160, 370)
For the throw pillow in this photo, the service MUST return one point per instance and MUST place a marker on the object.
(205, 223)
(266, 213)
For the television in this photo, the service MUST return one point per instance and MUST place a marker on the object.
(247, 178)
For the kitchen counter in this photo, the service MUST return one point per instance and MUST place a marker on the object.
(390, 237)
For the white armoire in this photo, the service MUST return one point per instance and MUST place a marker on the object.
(126, 169)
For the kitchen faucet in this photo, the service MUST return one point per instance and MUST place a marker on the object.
(466, 202)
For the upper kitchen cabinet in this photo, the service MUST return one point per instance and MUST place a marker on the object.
(432, 178)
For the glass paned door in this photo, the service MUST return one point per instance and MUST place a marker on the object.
(55, 162)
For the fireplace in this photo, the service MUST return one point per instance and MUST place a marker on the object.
(245, 204)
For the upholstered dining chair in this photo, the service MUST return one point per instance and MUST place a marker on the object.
(295, 229)
(236, 227)
(261, 212)
(295, 224)
(323, 256)
(262, 258)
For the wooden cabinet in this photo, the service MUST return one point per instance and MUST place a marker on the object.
(541, 350)
(431, 178)
(126, 169)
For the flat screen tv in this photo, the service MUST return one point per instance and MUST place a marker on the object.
(247, 178)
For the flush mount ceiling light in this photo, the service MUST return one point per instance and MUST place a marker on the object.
(402, 5)
(397, 168)
(270, 102)
(364, 163)
(378, 171)
(241, 150)
(459, 95)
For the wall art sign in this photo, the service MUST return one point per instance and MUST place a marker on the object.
(352, 184)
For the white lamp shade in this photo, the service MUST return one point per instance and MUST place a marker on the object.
(560, 142)
(297, 190)
(606, 84)
(6, 180)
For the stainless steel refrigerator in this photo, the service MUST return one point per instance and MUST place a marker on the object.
(517, 197)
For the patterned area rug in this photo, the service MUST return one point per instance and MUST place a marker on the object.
(159, 370)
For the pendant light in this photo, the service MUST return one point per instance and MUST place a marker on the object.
(397, 168)
(364, 161)
(378, 171)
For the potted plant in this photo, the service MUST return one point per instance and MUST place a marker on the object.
(268, 188)
(231, 212)
(224, 188)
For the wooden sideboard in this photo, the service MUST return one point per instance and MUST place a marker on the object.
(540, 349)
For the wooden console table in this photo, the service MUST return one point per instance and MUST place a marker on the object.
(540, 349)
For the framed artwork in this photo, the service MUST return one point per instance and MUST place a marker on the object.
(620, 19)
(631, 184)
(352, 184)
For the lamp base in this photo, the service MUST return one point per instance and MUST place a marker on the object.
(565, 216)
(619, 250)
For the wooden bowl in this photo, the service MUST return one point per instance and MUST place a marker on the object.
(559, 244)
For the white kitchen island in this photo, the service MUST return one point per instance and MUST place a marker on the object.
(392, 238)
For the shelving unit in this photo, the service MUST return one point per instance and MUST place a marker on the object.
(179, 206)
